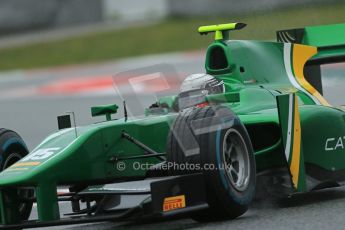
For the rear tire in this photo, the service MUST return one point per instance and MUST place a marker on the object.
(12, 149)
(230, 189)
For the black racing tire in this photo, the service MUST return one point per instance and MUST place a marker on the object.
(225, 196)
(12, 149)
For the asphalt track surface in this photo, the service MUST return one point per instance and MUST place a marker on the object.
(30, 102)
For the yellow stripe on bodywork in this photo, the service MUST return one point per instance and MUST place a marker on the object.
(301, 54)
(296, 148)
(31, 163)
(290, 123)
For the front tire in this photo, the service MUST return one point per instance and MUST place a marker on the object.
(224, 143)
(12, 149)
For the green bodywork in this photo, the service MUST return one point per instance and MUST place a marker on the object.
(254, 74)
(106, 110)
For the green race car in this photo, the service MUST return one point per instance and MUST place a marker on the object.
(256, 117)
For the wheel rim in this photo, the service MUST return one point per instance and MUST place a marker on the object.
(24, 193)
(236, 160)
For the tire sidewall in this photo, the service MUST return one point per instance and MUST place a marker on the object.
(208, 126)
(12, 143)
(220, 190)
(216, 147)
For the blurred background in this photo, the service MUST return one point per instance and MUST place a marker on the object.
(36, 33)
(60, 55)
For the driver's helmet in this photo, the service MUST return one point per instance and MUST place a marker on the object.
(202, 81)
(194, 89)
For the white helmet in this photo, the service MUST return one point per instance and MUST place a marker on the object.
(195, 87)
(202, 81)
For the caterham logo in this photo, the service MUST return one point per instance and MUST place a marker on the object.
(175, 202)
(334, 143)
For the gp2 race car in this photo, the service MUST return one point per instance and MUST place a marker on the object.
(257, 114)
